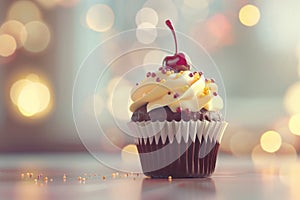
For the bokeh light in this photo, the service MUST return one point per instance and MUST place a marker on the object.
(119, 88)
(24, 11)
(8, 45)
(130, 153)
(30, 96)
(146, 33)
(196, 4)
(47, 4)
(294, 124)
(270, 141)
(38, 36)
(146, 15)
(165, 10)
(15, 29)
(154, 56)
(100, 18)
(249, 15)
(292, 99)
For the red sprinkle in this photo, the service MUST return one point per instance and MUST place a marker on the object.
(176, 95)
(178, 109)
(160, 68)
(215, 94)
(148, 74)
(169, 93)
(212, 80)
(153, 74)
(206, 80)
(187, 110)
(163, 71)
(157, 79)
(200, 73)
(191, 75)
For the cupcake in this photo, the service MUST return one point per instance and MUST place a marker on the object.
(177, 120)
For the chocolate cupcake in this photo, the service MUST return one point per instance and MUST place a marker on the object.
(177, 120)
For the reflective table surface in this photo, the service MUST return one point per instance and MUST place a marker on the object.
(80, 176)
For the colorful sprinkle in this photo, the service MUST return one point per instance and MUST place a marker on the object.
(181, 72)
(191, 74)
(163, 80)
(212, 80)
(163, 71)
(148, 74)
(200, 73)
(169, 93)
(157, 79)
(153, 75)
(176, 95)
(160, 68)
(215, 94)
(184, 88)
(136, 84)
(168, 73)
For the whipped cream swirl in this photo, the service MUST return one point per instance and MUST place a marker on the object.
(185, 90)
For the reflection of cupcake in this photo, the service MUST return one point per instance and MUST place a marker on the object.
(177, 121)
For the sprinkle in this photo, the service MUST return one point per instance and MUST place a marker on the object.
(215, 94)
(184, 88)
(172, 71)
(157, 79)
(153, 75)
(191, 74)
(196, 76)
(187, 110)
(83, 179)
(169, 93)
(136, 84)
(200, 73)
(160, 68)
(178, 109)
(212, 80)
(163, 71)
(30, 175)
(79, 178)
(113, 175)
(103, 177)
(168, 73)
(181, 72)
(206, 90)
(46, 179)
(176, 95)
(169, 178)
(163, 80)
(148, 74)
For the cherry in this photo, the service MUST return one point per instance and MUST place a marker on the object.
(177, 62)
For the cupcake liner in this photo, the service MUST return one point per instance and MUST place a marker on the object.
(181, 130)
(192, 155)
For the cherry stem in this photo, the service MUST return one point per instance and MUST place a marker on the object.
(169, 24)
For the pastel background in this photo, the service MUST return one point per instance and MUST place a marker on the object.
(255, 44)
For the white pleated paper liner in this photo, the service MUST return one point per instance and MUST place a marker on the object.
(178, 130)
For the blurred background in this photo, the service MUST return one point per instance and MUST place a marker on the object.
(255, 44)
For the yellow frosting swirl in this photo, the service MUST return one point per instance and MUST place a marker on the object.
(183, 90)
